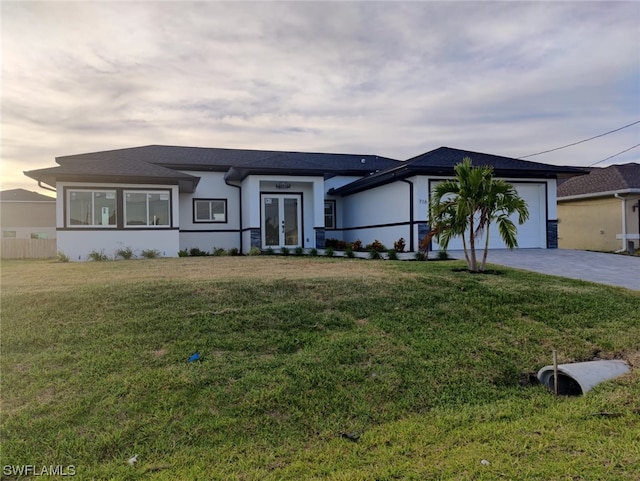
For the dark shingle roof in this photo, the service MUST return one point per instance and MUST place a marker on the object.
(196, 158)
(22, 195)
(613, 178)
(445, 158)
(155, 162)
(114, 170)
(442, 161)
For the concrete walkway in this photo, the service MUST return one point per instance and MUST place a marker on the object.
(612, 269)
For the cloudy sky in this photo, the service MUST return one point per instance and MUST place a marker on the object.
(388, 78)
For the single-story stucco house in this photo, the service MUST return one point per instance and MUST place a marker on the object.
(600, 211)
(28, 221)
(175, 198)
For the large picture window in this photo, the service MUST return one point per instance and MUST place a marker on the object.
(210, 210)
(146, 208)
(92, 208)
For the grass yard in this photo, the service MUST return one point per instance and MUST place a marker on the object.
(426, 366)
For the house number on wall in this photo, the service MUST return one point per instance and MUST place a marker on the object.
(283, 185)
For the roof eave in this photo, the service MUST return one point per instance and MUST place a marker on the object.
(593, 195)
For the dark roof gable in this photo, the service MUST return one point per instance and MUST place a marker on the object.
(23, 195)
(617, 177)
(446, 158)
(441, 162)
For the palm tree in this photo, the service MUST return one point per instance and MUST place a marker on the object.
(467, 205)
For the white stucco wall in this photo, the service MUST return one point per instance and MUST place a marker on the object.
(209, 235)
(78, 242)
(370, 215)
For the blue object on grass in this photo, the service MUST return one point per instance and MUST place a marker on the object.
(194, 357)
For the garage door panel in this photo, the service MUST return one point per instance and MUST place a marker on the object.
(531, 234)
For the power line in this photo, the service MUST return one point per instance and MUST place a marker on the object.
(582, 141)
(614, 155)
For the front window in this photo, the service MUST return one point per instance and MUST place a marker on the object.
(92, 208)
(330, 214)
(210, 210)
(146, 208)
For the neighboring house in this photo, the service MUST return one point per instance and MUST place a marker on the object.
(28, 224)
(600, 211)
(175, 198)
(27, 215)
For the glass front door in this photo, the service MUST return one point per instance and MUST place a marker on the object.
(281, 220)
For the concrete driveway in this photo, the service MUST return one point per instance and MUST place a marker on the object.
(612, 269)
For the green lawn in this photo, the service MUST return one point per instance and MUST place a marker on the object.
(425, 363)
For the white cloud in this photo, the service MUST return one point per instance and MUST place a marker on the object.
(395, 79)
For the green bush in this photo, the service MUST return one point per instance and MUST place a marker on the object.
(392, 255)
(98, 256)
(299, 251)
(349, 252)
(196, 252)
(150, 253)
(443, 255)
(284, 251)
(183, 253)
(254, 251)
(420, 256)
(125, 252)
(269, 251)
(219, 251)
(62, 257)
(329, 252)
(313, 252)
(234, 251)
(374, 254)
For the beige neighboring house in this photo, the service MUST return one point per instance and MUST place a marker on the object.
(28, 224)
(600, 211)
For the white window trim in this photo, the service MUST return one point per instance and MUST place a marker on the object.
(147, 225)
(210, 220)
(93, 225)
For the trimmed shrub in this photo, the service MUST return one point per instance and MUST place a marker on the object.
(126, 253)
(62, 257)
(150, 253)
(392, 255)
(234, 251)
(329, 252)
(374, 254)
(183, 253)
(98, 256)
(254, 251)
(299, 251)
(443, 255)
(376, 245)
(219, 251)
(313, 252)
(284, 251)
(399, 245)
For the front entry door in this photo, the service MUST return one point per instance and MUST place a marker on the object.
(281, 220)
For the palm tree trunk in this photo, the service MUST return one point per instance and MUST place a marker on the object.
(473, 266)
(486, 249)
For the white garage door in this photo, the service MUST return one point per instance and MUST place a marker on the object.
(531, 234)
